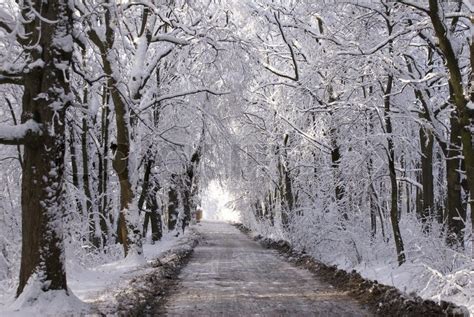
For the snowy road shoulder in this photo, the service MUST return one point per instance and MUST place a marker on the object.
(384, 300)
(124, 286)
(107, 288)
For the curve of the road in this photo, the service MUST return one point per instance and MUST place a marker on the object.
(231, 275)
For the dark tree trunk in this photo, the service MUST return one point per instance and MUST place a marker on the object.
(105, 218)
(285, 183)
(75, 171)
(455, 215)
(465, 115)
(173, 205)
(426, 143)
(153, 217)
(45, 102)
(394, 215)
(86, 184)
(186, 201)
(128, 234)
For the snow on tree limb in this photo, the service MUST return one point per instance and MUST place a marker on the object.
(295, 76)
(19, 134)
(6, 21)
(11, 76)
(180, 94)
(169, 38)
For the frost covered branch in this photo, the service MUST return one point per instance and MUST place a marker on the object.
(181, 94)
(19, 134)
(6, 21)
(8, 77)
(169, 38)
(295, 77)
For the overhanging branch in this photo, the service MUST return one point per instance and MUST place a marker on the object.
(181, 94)
(295, 77)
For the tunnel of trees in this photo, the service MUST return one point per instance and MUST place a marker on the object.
(337, 125)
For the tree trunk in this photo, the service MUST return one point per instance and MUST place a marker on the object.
(128, 232)
(285, 183)
(426, 143)
(86, 184)
(455, 215)
(397, 236)
(173, 205)
(465, 115)
(75, 171)
(45, 100)
(105, 218)
(130, 236)
(153, 216)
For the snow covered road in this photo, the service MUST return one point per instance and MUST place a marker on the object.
(231, 275)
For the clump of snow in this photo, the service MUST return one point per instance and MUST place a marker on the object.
(470, 105)
(33, 301)
(9, 132)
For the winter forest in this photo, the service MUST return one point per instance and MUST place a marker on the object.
(344, 128)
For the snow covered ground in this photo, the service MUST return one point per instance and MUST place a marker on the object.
(90, 285)
(425, 281)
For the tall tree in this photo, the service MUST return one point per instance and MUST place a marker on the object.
(45, 38)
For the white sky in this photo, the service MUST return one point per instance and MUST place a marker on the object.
(213, 204)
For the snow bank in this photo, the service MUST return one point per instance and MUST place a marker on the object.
(35, 302)
(428, 283)
(87, 284)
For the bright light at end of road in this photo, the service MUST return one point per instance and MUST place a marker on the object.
(214, 202)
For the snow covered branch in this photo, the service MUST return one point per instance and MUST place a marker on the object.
(295, 77)
(169, 38)
(181, 94)
(6, 21)
(383, 43)
(19, 134)
(321, 146)
(8, 77)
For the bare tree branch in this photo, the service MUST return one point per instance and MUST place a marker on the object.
(12, 112)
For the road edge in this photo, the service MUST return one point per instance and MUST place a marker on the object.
(146, 294)
(382, 300)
